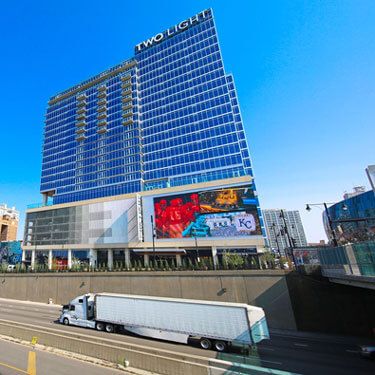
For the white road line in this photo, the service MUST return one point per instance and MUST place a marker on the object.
(351, 351)
(298, 344)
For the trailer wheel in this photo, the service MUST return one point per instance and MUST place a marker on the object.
(220, 346)
(100, 326)
(205, 343)
(109, 328)
(66, 321)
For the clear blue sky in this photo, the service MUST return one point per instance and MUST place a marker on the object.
(305, 75)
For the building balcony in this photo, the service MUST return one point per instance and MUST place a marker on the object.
(80, 131)
(102, 130)
(81, 96)
(81, 110)
(81, 117)
(102, 101)
(81, 137)
(125, 115)
(126, 78)
(101, 115)
(102, 94)
(126, 85)
(127, 123)
(102, 122)
(126, 92)
(102, 108)
(82, 103)
(102, 88)
(127, 107)
(126, 100)
(80, 123)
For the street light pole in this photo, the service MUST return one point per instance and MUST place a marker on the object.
(333, 233)
(273, 226)
(196, 244)
(282, 216)
(153, 240)
(334, 239)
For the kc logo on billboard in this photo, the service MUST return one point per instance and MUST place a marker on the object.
(173, 30)
(245, 223)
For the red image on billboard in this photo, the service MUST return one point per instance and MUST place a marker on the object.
(227, 212)
(172, 216)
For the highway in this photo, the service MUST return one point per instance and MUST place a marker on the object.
(19, 359)
(297, 354)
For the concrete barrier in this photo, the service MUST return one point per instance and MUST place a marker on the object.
(160, 361)
(265, 288)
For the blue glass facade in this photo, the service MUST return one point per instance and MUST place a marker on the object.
(167, 117)
(353, 219)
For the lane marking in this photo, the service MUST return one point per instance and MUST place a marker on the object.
(299, 344)
(13, 368)
(31, 364)
(351, 351)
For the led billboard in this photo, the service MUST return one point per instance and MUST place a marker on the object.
(230, 212)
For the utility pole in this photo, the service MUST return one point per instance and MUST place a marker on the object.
(153, 239)
(282, 216)
(273, 227)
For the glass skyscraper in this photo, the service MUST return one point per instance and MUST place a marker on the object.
(169, 116)
(148, 157)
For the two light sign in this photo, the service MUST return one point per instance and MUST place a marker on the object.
(173, 30)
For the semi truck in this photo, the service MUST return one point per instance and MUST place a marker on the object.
(216, 325)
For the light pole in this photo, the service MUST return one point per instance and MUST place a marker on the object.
(273, 227)
(333, 233)
(196, 243)
(282, 216)
(153, 239)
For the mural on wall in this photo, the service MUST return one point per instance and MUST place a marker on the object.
(10, 252)
(228, 212)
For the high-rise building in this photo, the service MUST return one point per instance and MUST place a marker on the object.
(158, 136)
(275, 229)
(9, 218)
(169, 116)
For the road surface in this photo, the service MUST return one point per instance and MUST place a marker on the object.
(312, 354)
(16, 359)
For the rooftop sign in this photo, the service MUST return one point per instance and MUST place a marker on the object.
(183, 25)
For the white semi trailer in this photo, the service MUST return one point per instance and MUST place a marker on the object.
(216, 324)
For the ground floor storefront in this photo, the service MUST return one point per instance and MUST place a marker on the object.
(130, 258)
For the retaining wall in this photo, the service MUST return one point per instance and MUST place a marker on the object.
(265, 288)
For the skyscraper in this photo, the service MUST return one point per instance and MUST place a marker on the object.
(165, 121)
(275, 229)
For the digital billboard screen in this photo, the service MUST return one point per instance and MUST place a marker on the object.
(230, 212)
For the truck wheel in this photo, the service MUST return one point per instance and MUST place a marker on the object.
(109, 328)
(205, 344)
(66, 321)
(100, 326)
(220, 346)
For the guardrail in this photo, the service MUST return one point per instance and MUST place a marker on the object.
(349, 269)
(160, 361)
(39, 205)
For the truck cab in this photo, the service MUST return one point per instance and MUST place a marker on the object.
(79, 312)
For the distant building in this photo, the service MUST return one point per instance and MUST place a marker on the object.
(320, 243)
(370, 171)
(9, 218)
(357, 190)
(274, 225)
(353, 219)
